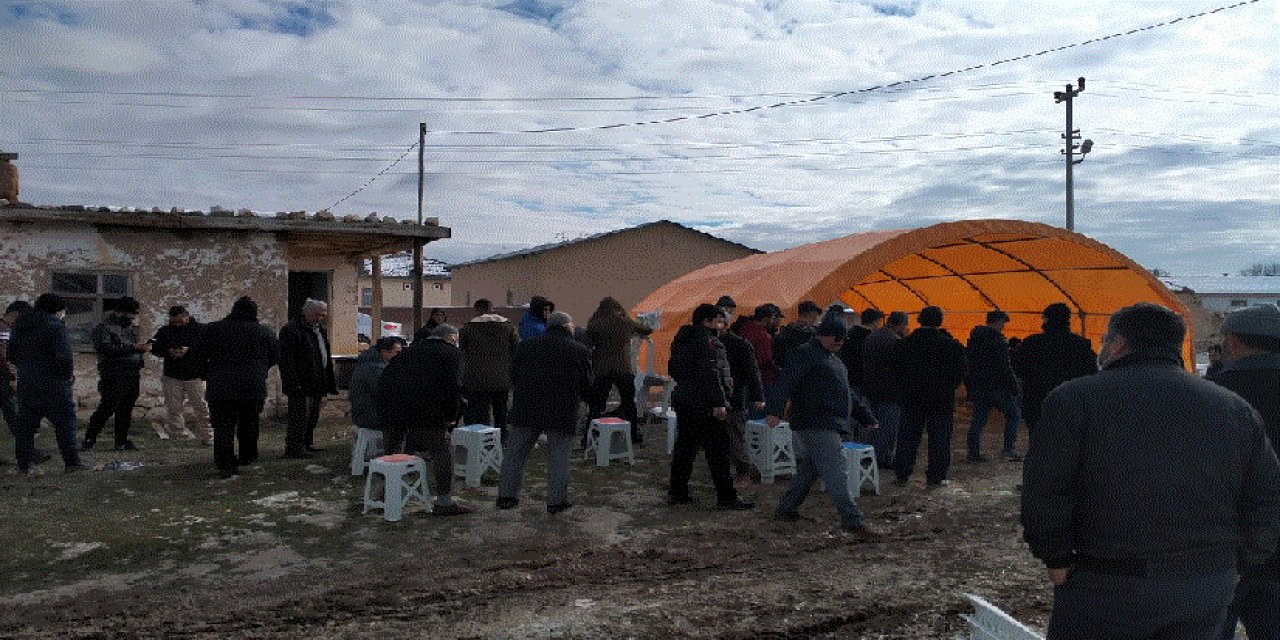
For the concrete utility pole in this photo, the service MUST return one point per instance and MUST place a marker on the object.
(1069, 142)
(417, 246)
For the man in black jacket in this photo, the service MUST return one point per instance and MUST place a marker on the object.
(1046, 360)
(1143, 486)
(419, 401)
(851, 352)
(880, 386)
(704, 384)
(183, 378)
(817, 384)
(796, 333)
(929, 365)
(748, 394)
(1251, 340)
(236, 354)
(115, 339)
(991, 384)
(41, 351)
(306, 373)
(551, 373)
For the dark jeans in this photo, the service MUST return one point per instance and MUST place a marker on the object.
(435, 443)
(235, 421)
(1094, 606)
(119, 393)
(885, 439)
(915, 422)
(57, 406)
(304, 413)
(1257, 605)
(698, 429)
(982, 406)
(606, 382)
(482, 404)
(8, 407)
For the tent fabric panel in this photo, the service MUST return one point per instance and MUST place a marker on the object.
(1104, 292)
(973, 258)
(889, 296)
(1025, 291)
(951, 293)
(1058, 253)
(914, 266)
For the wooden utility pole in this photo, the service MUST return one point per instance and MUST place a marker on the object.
(417, 246)
(375, 305)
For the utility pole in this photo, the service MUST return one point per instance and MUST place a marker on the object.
(417, 245)
(1069, 138)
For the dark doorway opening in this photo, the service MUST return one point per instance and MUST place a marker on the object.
(307, 284)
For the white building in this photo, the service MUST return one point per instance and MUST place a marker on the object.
(1222, 294)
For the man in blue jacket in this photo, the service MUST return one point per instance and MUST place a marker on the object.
(41, 351)
(816, 382)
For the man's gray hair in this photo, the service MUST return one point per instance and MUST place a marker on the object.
(312, 304)
(443, 331)
(559, 319)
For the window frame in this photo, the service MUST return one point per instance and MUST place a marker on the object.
(79, 329)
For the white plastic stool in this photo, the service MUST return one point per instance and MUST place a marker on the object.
(669, 416)
(367, 447)
(604, 436)
(476, 449)
(398, 489)
(771, 449)
(860, 467)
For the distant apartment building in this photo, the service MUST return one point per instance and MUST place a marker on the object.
(1222, 294)
(397, 283)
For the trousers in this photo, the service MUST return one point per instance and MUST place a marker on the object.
(235, 422)
(59, 408)
(118, 395)
(516, 454)
(177, 395)
(304, 413)
(697, 429)
(915, 423)
(822, 458)
(1095, 606)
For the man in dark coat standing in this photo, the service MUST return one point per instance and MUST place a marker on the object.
(115, 339)
(1143, 487)
(551, 373)
(609, 334)
(236, 353)
(419, 401)
(991, 384)
(41, 351)
(1251, 341)
(8, 373)
(796, 333)
(700, 367)
(488, 342)
(748, 394)
(306, 373)
(929, 365)
(880, 386)
(851, 352)
(815, 381)
(1046, 360)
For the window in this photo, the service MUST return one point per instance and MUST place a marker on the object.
(89, 296)
(366, 297)
(438, 286)
(408, 286)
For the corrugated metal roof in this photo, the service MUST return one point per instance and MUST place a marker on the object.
(557, 245)
(1223, 285)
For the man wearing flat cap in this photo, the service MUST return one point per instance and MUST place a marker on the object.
(1251, 346)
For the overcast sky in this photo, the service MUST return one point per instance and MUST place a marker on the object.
(285, 105)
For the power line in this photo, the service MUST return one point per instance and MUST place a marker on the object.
(375, 177)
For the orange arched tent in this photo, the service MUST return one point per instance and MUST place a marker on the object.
(968, 268)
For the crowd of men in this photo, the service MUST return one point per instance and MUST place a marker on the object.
(1151, 495)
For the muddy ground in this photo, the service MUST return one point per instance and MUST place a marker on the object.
(166, 550)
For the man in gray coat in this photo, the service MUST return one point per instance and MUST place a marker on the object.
(1142, 487)
(362, 390)
(551, 373)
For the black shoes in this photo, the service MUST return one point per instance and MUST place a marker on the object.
(73, 468)
(507, 503)
(226, 474)
(299, 455)
(937, 485)
(558, 508)
(978, 459)
(127, 445)
(88, 443)
(313, 449)
(678, 500)
(1013, 456)
(39, 457)
(737, 504)
(863, 531)
(449, 510)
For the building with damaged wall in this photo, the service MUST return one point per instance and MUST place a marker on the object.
(202, 261)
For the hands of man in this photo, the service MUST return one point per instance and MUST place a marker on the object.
(1059, 576)
(772, 421)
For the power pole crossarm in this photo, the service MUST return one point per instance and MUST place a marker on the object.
(1069, 138)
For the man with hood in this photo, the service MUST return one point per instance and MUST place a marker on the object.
(488, 344)
(41, 351)
(700, 367)
(534, 322)
(1251, 342)
(419, 401)
(609, 334)
(1046, 360)
(306, 374)
(817, 384)
(115, 340)
(550, 374)
(236, 353)
(362, 390)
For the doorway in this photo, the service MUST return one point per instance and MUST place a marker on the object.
(308, 284)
